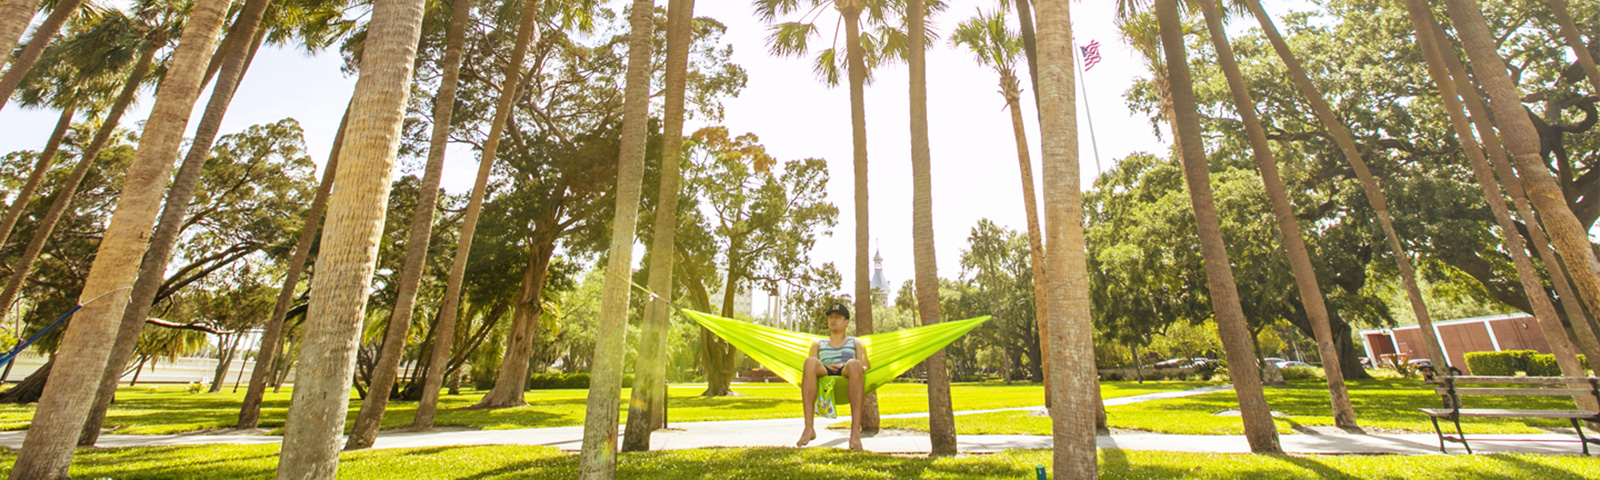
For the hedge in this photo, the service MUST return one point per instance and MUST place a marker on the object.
(1302, 373)
(580, 380)
(1508, 363)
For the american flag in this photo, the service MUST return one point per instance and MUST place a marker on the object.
(1091, 54)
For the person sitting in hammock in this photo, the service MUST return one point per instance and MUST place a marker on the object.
(837, 355)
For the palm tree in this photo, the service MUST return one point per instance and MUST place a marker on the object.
(443, 108)
(272, 330)
(1520, 137)
(173, 216)
(791, 39)
(35, 48)
(598, 459)
(1305, 275)
(152, 42)
(349, 247)
(941, 420)
(1369, 184)
(997, 46)
(1571, 303)
(1532, 285)
(513, 373)
(1570, 34)
(40, 168)
(1071, 332)
(81, 358)
(650, 369)
(1238, 346)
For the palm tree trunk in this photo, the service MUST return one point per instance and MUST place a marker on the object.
(650, 369)
(443, 110)
(67, 399)
(1574, 39)
(154, 264)
(599, 457)
(1532, 284)
(1570, 238)
(1305, 274)
(512, 379)
(1030, 47)
(349, 247)
(1071, 327)
(1031, 206)
(63, 199)
(1259, 429)
(1571, 303)
(15, 16)
(36, 45)
(855, 55)
(272, 337)
(941, 420)
(40, 168)
(504, 394)
(1380, 205)
(368, 421)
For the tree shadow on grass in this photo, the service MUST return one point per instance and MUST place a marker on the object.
(1543, 471)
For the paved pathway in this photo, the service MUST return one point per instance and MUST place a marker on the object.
(784, 431)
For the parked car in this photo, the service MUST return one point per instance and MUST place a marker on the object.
(1202, 361)
(1292, 363)
(1273, 360)
(1173, 363)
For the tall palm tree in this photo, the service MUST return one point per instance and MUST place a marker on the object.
(791, 39)
(1071, 332)
(995, 45)
(272, 330)
(63, 200)
(36, 45)
(1571, 303)
(154, 265)
(650, 369)
(1305, 275)
(1532, 284)
(40, 168)
(513, 373)
(15, 16)
(81, 357)
(1571, 35)
(1369, 184)
(1238, 346)
(349, 248)
(1520, 137)
(443, 110)
(941, 419)
(598, 459)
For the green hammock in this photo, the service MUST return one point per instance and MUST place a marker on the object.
(785, 352)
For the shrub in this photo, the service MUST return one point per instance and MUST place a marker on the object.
(576, 380)
(546, 381)
(1111, 377)
(1207, 369)
(1543, 366)
(1496, 364)
(1302, 373)
(1522, 358)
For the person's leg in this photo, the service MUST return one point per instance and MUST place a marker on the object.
(858, 390)
(808, 397)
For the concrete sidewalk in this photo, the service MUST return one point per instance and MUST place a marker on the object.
(782, 432)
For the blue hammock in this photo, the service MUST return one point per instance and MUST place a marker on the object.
(12, 355)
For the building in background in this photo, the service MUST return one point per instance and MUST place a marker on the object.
(741, 298)
(1495, 333)
(880, 284)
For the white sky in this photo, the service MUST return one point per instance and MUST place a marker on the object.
(974, 156)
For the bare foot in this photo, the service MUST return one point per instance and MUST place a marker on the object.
(855, 444)
(806, 437)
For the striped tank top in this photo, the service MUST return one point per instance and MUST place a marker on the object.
(833, 356)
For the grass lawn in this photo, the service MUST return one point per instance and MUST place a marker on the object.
(495, 462)
(170, 409)
(1382, 404)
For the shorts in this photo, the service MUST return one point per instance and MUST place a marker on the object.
(832, 372)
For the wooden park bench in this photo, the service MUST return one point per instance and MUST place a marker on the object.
(1524, 386)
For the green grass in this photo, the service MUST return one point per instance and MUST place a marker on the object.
(170, 409)
(498, 462)
(1385, 405)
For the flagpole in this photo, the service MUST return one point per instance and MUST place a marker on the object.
(1086, 113)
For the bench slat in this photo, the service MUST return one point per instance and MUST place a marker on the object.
(1517, 380)
(1519, 392)
(1502, 413)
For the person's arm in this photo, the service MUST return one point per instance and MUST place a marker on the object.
(861, 353)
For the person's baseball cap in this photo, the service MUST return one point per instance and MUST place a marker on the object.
(840, 308)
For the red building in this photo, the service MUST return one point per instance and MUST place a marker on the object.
(1496, 333)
